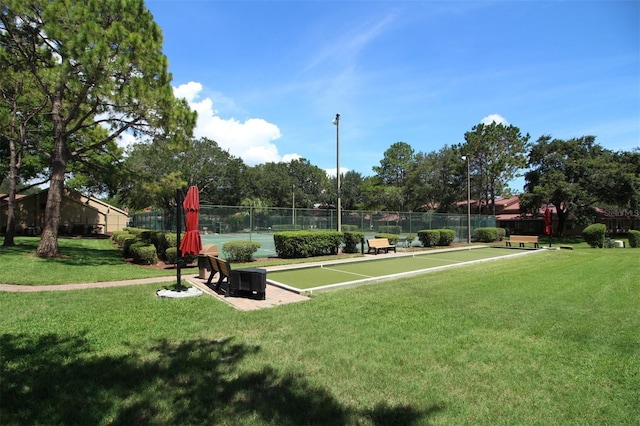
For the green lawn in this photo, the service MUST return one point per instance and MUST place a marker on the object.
(552, 338)
(81, 260)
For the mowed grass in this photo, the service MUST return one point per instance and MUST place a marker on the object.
(551, 338)
(81, 260)
(333, 273)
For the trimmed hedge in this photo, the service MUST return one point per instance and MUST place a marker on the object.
(350, 228)
(351, 241)
(429, 237)
(634, 239)
(240, 251)
(300, 244)
(446, 237)
(594, 234)
(144, 253)
(489, 235)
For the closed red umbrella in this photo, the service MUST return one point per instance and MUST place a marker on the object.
(547, 221)
(191, 242)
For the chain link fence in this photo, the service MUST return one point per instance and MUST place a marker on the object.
(247, 220)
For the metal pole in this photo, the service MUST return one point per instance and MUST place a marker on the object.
(467, 157)
(337, 123)
(178, 232)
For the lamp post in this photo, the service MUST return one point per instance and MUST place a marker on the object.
(466, 157)
(336, 122)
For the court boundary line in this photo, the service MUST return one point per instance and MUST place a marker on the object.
(382, 278)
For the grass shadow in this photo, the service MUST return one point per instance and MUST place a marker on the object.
(59, 379)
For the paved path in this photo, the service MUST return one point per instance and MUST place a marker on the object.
(275, 296)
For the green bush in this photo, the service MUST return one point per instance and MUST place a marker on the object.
(144, 253)
(429, 237)
(126, 246)
(240, 251)
(446, 237)
(594, 234)
(486, 235)
(390, 229)
(122, 237)
(351, 241)
(634, 239)
(350, 228)
(170, 256)
(300, 244)
(393, 238)
(501, 233)
(115, 234)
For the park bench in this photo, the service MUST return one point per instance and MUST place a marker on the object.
(378, 244)
(251, 282)
(522, 240)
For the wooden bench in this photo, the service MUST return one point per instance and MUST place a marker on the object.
(522, 240)
(251, 282)
(379, 244)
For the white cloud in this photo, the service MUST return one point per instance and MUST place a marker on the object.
(497, 118)
(332, 172)
(251, 140)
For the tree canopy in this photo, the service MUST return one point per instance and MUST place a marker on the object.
(96, 64)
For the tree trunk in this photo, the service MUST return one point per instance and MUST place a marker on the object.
(11, 201)
(48, 246)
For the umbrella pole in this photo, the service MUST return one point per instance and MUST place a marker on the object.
(178, 221)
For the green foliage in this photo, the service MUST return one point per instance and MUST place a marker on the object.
(240, 251)
(446, 237)
(144, 253)
(429, 237)
(351, 241)
(393, 238)
(390, 229)
(594, 234)
(350, 228)
(634, 239)
(300, 244)
(237, 221)
(171, 255)
(486, 235)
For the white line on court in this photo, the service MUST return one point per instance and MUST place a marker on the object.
(346, 272)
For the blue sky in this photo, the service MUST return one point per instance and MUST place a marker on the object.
(268, 77)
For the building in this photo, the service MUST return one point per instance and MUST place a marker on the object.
(79, 214)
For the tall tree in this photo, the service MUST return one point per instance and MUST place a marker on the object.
(20, 120)
(437, 180)
(566, 173)
(393, 170)
(98, 63)
(497, 153)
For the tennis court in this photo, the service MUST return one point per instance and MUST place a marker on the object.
(331, 275)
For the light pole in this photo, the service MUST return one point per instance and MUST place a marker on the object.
(336, 121)
(466, 157)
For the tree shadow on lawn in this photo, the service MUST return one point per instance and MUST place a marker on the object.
(56, 379)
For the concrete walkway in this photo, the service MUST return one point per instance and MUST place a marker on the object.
(275, 296)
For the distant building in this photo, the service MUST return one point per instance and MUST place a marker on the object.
(79, 214)
(509, 216)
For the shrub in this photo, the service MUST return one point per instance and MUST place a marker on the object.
(634, 239)
(351, 241)
(170, 256)
(594, 234)
(393, 238)
(116, 234)
(429, 237)
(486, 235)
(144, 253)
(350, 228)
(240, 251)
(297, 244)
(122, 237)
(390, 229)
(501, 233)
(126, 245)
(446, 237)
